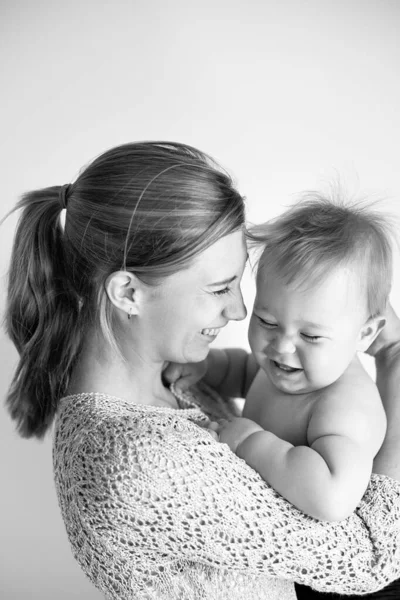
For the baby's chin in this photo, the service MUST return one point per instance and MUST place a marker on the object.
(289, 382)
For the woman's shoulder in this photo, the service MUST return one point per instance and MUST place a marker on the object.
(101, 443)
(105, 429)
(88, 415)
(198, 405)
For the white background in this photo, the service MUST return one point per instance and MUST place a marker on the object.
(285, 94)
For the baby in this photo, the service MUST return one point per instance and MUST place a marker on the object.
(313, 419)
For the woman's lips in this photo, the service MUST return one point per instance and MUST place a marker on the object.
(211, 332)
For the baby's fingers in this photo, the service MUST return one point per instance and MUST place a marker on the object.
(222, 424)
(185, 382)
(213, 427)
(172, 372)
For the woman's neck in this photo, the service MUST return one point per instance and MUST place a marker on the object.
(101, 369)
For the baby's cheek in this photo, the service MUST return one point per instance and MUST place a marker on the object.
(260, 339)
(323, 370)
(252, 331)
(315, 365)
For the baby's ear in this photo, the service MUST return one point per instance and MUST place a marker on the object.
(370, 331)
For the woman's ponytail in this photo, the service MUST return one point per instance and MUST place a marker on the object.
(42, 315)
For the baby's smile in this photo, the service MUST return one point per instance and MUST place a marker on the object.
(285, 368)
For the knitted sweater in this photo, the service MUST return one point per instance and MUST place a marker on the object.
(155, 508)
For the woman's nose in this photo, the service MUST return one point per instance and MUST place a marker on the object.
(283, 344)
(236, 309)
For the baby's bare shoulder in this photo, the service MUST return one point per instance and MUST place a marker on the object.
(350, 407)
(354, 389)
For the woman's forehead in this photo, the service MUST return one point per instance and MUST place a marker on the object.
(227, 253)
(219, 264)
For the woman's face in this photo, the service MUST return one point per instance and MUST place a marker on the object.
(186, 312)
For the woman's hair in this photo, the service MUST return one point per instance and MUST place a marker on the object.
(319, 234)
(149, 208)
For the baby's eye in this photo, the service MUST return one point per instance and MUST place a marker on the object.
(222, 292)
(311, 338)
(267, 324)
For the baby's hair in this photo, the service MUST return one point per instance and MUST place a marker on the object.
(149, 208)
(320, 234)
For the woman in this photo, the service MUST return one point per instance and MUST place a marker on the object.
(147, 271)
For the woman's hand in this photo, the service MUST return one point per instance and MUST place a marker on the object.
(386, 351)
(389, 337)
(234, 432)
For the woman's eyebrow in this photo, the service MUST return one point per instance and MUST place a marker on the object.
(224, 282)
(229, 279)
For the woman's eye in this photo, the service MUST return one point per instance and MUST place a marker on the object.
(222, 292)
(311, 338)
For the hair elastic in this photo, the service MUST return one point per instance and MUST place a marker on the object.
(63, 195)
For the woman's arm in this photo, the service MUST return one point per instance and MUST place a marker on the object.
(165, 491)
(169, 492)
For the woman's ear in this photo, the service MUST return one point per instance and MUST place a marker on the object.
(124, 291)
(370, 331)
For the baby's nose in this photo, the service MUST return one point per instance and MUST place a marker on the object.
(284, 345)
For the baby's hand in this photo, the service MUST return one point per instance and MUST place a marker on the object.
(234, 432)
(184, 375)
(213, 428)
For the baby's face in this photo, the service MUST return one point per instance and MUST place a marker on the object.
(305, 339)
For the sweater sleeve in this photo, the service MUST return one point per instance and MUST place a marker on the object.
(170, 491)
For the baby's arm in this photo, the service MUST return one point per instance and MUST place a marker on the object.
(327, 479)
(230, 372)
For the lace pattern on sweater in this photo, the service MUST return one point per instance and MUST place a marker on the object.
(154, 507)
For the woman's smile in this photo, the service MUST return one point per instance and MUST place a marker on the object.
(211, 333)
